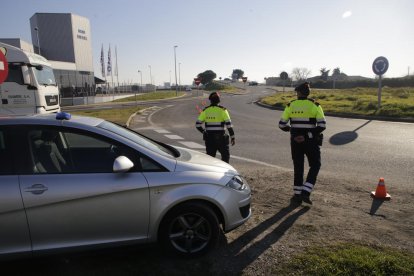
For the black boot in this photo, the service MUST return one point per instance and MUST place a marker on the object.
(306, 199)
(296, 199)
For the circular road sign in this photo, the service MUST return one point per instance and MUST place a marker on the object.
(284, 76)
(380, 66)
(4, 68)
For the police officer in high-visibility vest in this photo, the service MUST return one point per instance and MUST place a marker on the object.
(216, 118)
(305, 120)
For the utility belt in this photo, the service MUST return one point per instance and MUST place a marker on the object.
(309, 136)
(216, 136)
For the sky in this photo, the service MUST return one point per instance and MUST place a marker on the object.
(262, 37)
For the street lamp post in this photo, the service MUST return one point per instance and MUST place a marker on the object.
(175, 66)
(179, 75)
(150, 74)
(136, 103)
(38, 42)
(170, 79)
(139, 71)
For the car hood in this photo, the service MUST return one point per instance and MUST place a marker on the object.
(198, 161)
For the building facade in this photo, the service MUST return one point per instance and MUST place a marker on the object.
(17, 42)
(65, 40)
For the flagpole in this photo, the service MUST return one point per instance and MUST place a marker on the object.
(112, 71)
(103, 68)
(109, 71)
(116, 66)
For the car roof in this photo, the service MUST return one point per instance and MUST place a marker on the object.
(49, 119)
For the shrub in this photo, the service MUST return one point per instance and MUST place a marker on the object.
(215, 86)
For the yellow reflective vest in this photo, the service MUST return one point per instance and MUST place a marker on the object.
(216, 118)
(303, 115)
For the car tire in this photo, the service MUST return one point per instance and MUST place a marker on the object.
(190, 229)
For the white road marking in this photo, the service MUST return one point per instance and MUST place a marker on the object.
(258, 162)
(139, 119)
(160, 130)
(157, 109)
(192, 145)
(174, 137)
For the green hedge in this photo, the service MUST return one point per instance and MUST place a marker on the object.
(342, 84)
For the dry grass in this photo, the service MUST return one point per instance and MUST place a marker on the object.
(395, 102)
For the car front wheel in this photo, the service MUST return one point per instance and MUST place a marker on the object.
(190, 229)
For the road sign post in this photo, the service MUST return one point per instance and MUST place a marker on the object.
(197, 81)
(380, 66)
(244, 79)
(284, 76)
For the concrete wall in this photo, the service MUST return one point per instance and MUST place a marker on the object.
(92, 99)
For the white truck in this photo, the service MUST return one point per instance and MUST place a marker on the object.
(30, 86)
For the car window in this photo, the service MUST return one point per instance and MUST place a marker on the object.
(148, 165)
(6, 154)
(68, 151)
(74, 140)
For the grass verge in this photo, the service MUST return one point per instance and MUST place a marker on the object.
(395, 102)
(151, 96)
(349, 259)
(118, 115)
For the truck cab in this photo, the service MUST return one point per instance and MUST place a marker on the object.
(30, 87)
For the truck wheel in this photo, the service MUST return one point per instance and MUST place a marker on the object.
(190, 229)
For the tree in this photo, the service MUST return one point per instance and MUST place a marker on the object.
(207, 76)
(336, 72)
(324, 74)
(237, 74)
(300, 74)
(335, 75)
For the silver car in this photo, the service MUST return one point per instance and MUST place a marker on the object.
(75, 182)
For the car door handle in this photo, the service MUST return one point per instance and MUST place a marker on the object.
(36, 189)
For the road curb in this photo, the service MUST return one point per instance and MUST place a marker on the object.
(352, 116)
(131, 117)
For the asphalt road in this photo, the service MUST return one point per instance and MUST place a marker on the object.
(353, 148)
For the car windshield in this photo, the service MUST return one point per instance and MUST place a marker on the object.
(136, 138)
(44, 75)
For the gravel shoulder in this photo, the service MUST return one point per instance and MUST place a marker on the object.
(342, 211)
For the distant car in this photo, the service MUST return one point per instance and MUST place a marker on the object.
(253, 83)
(188, 89)
(72, 181)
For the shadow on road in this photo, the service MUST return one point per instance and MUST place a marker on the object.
(346, 137)
(242, 259)
(376, 203)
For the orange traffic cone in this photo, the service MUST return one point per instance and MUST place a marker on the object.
(380, 192)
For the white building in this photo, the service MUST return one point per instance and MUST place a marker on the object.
(65, 40)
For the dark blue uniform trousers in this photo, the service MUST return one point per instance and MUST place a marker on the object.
(311, 150)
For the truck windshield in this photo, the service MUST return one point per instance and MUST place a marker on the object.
(44, 75)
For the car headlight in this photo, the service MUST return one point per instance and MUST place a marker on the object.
(237, 183)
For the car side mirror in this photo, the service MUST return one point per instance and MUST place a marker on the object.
(122, 164)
